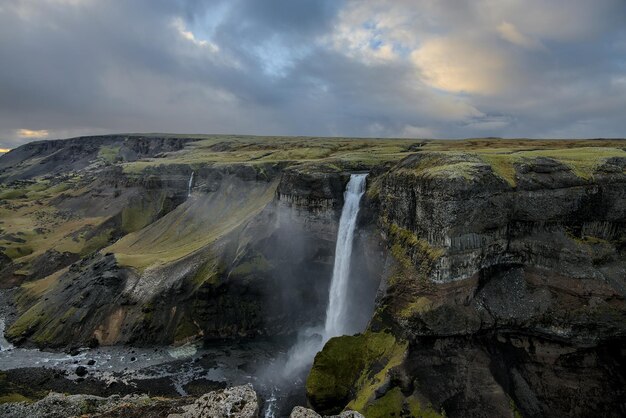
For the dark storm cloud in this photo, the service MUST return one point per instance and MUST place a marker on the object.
(291, 18)
(389, 68)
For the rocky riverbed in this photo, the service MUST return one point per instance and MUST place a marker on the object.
(174, 372)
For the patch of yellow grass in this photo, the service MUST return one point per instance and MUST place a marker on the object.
(255, 150)
(39, 287)
(582, 160)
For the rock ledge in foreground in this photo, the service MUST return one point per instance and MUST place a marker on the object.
(234, 402)
(301, 412)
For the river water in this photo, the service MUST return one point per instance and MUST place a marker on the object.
(228, 363)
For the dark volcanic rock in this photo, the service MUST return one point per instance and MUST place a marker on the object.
(311, 189)
(538, 267)
(512, 297)
(49, 262)
(82, 294)
(5, 261)
(81, 371)
(480, 375)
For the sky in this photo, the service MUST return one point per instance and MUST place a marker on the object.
(383, 68)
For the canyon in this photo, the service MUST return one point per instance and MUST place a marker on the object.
(486, 277)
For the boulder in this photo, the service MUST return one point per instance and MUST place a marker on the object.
(81, 371)
(302, 412)
(234, 402)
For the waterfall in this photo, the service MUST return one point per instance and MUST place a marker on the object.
(4, 344)
(310, 340)
(337, 311)
(190, 184)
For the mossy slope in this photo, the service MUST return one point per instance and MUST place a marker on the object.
(350, 369)
(198, 223)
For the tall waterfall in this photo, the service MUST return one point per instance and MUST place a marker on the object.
(190, 184)
(311, 340)
(337, 310)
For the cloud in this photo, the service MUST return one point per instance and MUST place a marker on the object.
(29, 133)
(555, 20)
(410, 131)
(179, 25)
(509, 32)
(463, 66)
(489, 123)
(331, 67)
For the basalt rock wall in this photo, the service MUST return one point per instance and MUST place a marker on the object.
(510, 296)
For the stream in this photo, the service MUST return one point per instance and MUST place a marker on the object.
(224, 364)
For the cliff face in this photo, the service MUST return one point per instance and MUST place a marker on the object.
(508, 290)
(484, 221)
(501, 264)
(50, 158)
(249, 253)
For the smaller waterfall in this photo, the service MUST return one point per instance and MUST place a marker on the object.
(4, 344)
(190, 185)
(270, 405)
(337, 310)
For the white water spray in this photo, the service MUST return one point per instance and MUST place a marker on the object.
(311, 340)
(190, 184)
(336, 314)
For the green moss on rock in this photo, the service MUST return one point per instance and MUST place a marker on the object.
(208, 273)
(142, 212)
(583, 161)
(14, 392)
(109, 153)
(514, 410)
(350, 369)
(97, 242)
(27, 321)
(255, 265)
(14, 397)
(18, 252)
(147, 311)
(408, 240)
(415, 307)
(417, 410)
(389, 405)
(446, 165)
(186, 329)
(41, 326)
(395, 404)
(10, 194)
